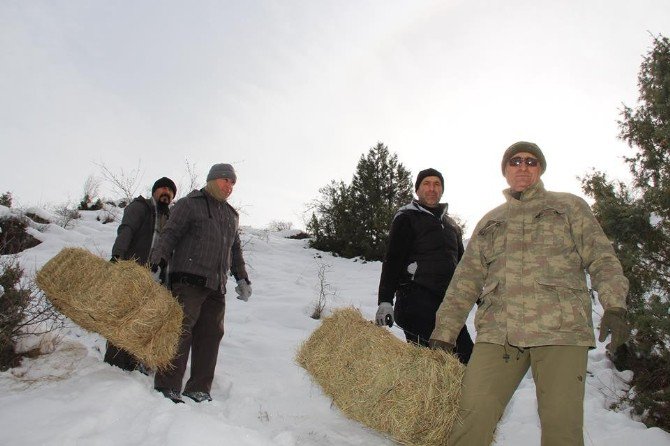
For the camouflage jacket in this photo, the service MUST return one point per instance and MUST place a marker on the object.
(525, 267)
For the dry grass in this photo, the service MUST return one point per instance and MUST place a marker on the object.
(119, 300)
(408, 392)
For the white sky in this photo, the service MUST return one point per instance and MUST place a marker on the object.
(261, 396)
(293, 92)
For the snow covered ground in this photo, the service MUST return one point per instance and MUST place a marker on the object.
(261, 397)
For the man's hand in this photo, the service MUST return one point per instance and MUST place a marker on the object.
(162, 263)
(436, 344)
(243, 289)
(614, 322)
(384, 314)
(159, 270)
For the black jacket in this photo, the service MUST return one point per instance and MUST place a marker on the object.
(136, 231)
(428, 238)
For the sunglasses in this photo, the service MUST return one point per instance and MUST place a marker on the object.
(517, 161)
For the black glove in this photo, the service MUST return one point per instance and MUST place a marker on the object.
(436, 344)
(115, 258)
(160, 265)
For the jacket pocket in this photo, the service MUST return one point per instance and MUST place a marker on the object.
(492, 239)
(567, 301)
(489, 305)
(552, 227)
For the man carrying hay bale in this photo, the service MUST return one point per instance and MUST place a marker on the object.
(524, 267)
(142, 223)
(425, 244)
(202, 240)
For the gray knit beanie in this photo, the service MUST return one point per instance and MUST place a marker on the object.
(222, 170)
(523, 146)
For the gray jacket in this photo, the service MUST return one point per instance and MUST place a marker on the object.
(202, 239)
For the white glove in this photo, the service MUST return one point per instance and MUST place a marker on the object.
(384, 314)
(243, 289)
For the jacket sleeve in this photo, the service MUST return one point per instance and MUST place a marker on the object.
(133, 216)
(598, 257)
(462, 293)
(237, 265)
(459, 236)
(400, 243)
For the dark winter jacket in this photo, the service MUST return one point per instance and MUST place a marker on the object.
(202, 240)
(133, 241)
(430, 241)
(135, 233)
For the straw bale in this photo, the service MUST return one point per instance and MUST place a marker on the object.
(121, 301)
(408, 392)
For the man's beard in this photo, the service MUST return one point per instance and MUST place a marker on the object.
(164, 198)
(162, 206)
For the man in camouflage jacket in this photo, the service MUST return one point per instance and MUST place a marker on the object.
(525, 268)
(202, 242)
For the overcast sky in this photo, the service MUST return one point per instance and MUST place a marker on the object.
(292, 93)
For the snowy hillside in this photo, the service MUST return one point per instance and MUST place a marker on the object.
(261, 397)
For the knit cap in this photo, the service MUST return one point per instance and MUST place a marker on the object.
(427, 173)
(222, 170)
(164, 182)
(523, 146)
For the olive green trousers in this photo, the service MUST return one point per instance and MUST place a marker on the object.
(492, 376)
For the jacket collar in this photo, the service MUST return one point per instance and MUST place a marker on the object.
(418, 207)
(532, 192)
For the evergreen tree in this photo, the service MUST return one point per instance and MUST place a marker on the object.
(332, 224)
(380, 186)
(354, 220)
(637, 220)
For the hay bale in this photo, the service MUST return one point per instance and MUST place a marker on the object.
(408, 392)
(120, 301)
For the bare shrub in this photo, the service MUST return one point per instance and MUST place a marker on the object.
(193, 180)
(66, 215)
(324, 289)
(276, 225)
(123, 182)
(90, 200)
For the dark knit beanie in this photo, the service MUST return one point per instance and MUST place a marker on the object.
(523, 146)
(427, 173)
(164, 182)
(222, 170)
